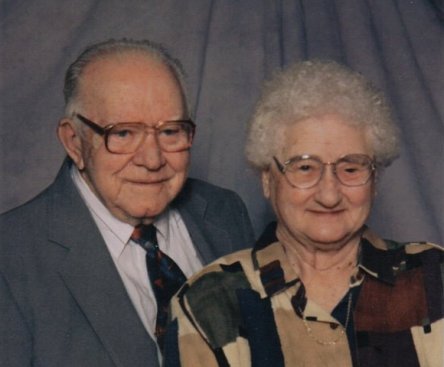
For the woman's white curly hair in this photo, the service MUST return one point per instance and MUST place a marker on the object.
(314, 88)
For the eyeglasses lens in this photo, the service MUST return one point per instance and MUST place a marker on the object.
(171, 137)
(351, 170)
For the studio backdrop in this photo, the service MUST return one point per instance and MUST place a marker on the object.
(228, 48)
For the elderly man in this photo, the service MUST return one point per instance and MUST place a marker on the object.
(76, 262)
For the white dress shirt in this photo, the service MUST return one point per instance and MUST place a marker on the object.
(129, 258)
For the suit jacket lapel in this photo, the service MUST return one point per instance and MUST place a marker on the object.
(207, 236)
(92, 278)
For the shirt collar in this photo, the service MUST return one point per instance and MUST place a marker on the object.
(276, 272)
(108, 222)
(381, 259)
(103, 217)
(378, 258)
(162, 225)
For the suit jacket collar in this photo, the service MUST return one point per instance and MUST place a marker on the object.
(92, 278)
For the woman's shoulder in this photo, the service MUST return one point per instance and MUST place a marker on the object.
(409, 247)
(385, 257)
(420, 246)
(224, 270)
(213, 291)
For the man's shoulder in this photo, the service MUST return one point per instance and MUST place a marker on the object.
(28, 208)
(196, 190)
(194, 185)
(20, 228)
(39, 200)
(32, 215)
(216, 218)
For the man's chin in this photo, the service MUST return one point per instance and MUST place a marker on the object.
(139, 214)
(147, 212)
(144, 203)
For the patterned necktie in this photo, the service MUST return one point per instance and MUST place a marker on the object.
(165, 275)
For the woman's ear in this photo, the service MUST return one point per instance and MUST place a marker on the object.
(70, 137)
(375, 182)
(266, 183)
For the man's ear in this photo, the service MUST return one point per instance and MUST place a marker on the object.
(70, 138)
(266, 183)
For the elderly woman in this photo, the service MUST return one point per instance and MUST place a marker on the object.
(324, 290)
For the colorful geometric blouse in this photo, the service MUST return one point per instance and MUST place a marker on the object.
(249, 309)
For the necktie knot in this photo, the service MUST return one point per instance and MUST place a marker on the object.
(145, 235)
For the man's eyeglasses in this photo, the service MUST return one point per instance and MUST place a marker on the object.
(304, 172)
(126, 137)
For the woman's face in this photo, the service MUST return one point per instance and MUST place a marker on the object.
(329, 215)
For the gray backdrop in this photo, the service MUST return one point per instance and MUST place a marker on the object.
(228, 47)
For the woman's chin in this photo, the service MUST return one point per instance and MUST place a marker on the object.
(330, 241)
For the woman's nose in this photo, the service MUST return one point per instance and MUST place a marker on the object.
(329, 192)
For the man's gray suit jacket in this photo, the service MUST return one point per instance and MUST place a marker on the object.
(62, 302)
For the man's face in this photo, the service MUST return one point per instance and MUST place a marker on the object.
(131, 88)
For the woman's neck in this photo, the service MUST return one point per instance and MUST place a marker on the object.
(325, 274)
(315, 260)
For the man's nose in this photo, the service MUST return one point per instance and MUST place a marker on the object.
(149, 153)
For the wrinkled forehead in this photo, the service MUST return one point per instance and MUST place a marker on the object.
(324, 129)
(126, 69)
(134, 80)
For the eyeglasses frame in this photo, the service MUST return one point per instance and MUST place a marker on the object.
(282, 168)
(104, 130)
